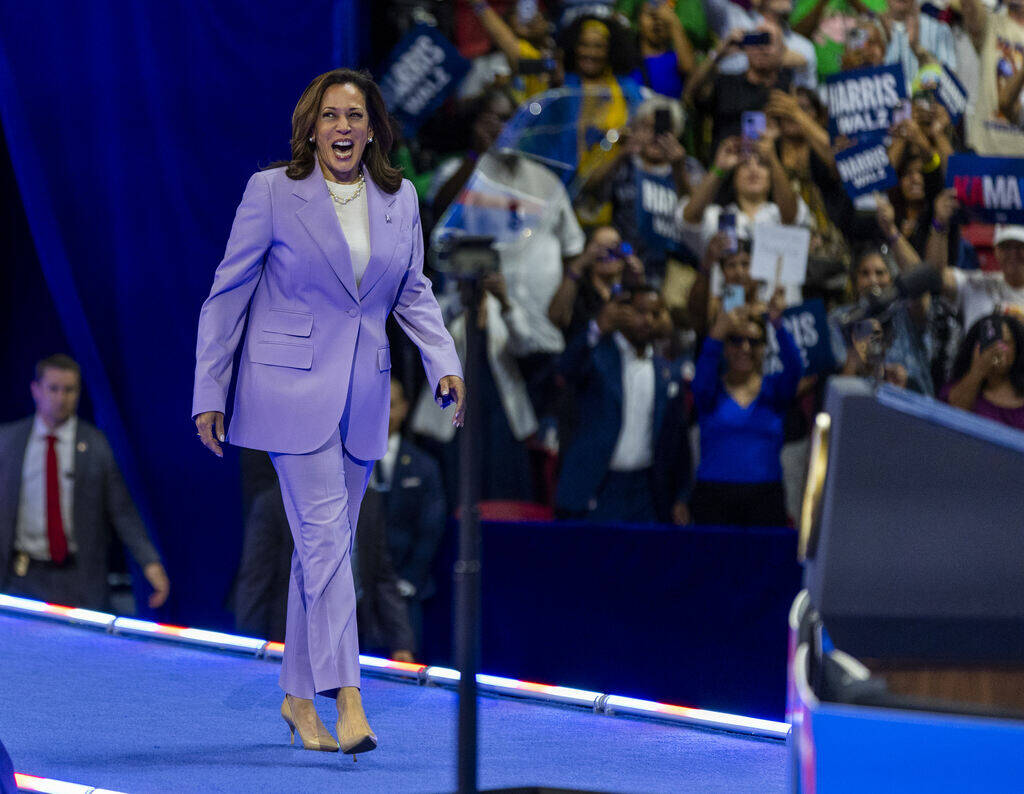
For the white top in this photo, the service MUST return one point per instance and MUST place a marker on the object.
(30, 531)
(386, 465)
(634, 449)
(355, 224)
(532, 265)
(979, 293)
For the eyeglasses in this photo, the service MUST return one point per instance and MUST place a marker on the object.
(737, 340)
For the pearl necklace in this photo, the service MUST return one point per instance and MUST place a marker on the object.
(341, 202)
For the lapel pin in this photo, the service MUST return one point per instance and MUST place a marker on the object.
(387, 218)
(82, 447)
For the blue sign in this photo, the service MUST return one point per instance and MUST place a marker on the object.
(951, 94)
(422, 70)
(656, 202)
(807, 323)
(989, 188)
(861, 101)
(865, 168)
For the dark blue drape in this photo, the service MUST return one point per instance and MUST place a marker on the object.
(131, 129)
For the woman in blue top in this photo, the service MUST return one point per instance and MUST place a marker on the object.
(740, 411)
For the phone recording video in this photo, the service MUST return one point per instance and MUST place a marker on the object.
(727, 226)
(990, 333)
(758, 38)
(752, 125)
(662, 121)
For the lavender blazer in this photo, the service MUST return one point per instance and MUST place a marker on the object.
(315, 355)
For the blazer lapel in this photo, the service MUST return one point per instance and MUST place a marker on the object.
(384, 233)
(11, 487)
(321, 221)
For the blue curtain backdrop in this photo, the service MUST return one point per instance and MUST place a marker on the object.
(132, 128)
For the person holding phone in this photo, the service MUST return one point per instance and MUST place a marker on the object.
(747, 182)
(323, 249)
(524, 37)
(988, 372)
(725, 97)
(740, 411)
(731, 254)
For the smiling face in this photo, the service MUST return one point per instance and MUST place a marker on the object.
(341, 132)
(744, 350)
(872, 272)
(736, 268)
(591, 52)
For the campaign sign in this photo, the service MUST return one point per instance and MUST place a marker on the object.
(422, 70)
(807, 323)
(951, 94)
(865, 168)
(861, 101)
(989, 188)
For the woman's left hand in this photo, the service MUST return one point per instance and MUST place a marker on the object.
(454, 386)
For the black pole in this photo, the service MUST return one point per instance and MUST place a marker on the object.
(467, 567)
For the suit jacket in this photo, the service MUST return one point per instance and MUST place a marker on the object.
(102, 503)
(597, 375)
(382, 615)
(316, 354)
(416, 516)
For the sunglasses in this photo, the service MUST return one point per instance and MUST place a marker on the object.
(737, 340)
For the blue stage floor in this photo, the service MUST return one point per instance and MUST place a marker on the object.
(147, 716)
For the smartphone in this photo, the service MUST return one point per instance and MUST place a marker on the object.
(758, 38)
(752, 125)
(536, 65)
(733, 296)
(727, 225)
(857, 38)
(662, 121)
(991, 332)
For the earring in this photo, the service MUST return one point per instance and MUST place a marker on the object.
(369, 140)
(310, 138)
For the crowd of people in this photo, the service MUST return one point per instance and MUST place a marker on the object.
(636, 367)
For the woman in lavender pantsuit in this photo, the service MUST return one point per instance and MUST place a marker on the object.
(323, 249)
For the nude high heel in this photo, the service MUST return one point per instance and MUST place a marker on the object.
(354, 734)
(300, 714)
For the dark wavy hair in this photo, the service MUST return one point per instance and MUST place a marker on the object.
(622, 54)
(965, 354)
(375, 155)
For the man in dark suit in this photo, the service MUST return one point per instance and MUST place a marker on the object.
(409, 501)
(61, 492)
(629, 459)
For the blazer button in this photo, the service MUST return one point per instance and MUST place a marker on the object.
(353, 312)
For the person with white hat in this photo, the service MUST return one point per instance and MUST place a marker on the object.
(977, 293)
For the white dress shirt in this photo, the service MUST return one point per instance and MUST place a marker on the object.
(354, 218)
(30, 534)
(634, 449)
(386, 465)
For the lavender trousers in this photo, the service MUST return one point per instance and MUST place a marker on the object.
(322, 492)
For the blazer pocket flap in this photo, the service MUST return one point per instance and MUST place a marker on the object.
(284, 321)
(384, 358)
(282, 354)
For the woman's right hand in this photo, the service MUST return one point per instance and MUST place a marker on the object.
(210, 425)
(728, 155)
(988, 360)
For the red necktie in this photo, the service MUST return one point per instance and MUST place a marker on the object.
(54, 519)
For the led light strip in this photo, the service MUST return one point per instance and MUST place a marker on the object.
(214, 639)
(440, 676)
(50, 786)
(70, 614)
